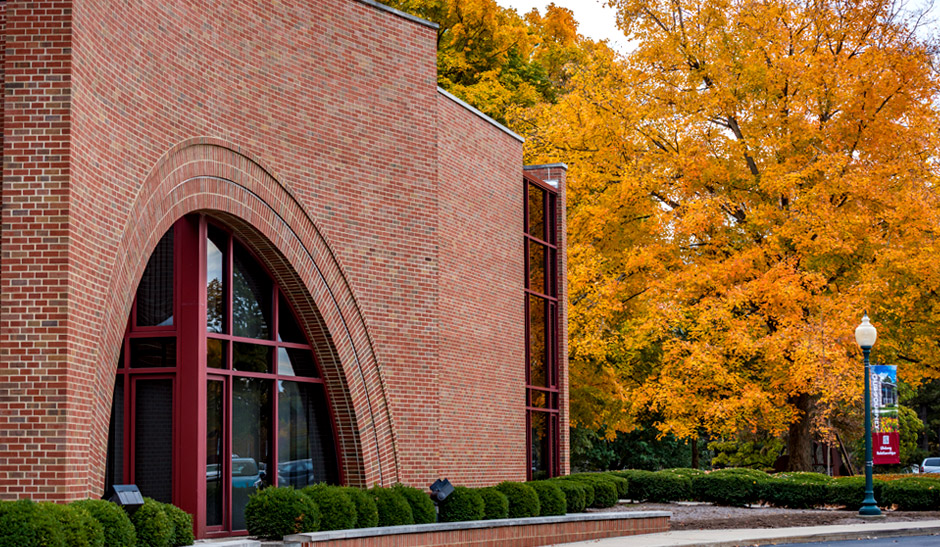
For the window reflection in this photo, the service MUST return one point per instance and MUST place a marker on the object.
(155, 293)
(537, 342)
(296, 362)
(214, 453)
(251, 357)
(536, 212)
(215, 276)
(305, 444)
(251, 297)
(251, 442)
(539, 444)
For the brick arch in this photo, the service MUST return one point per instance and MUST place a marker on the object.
(211, 177)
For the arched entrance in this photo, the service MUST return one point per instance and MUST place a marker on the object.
(218, 390)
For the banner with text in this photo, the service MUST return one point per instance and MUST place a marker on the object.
(886, 438)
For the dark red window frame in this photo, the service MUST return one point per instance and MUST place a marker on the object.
(542, 398)
(191, 374)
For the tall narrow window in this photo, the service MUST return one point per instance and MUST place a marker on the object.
(262, 403)
(541, 304)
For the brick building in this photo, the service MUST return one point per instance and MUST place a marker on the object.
(249, 243)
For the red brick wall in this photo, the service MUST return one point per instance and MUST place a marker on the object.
(482, 378)
(38, 382)
(313, 129)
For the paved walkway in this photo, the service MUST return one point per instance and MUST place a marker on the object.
(770, 536)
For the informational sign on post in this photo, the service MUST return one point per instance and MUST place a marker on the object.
(886, 427)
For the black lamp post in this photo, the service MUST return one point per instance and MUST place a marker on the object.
(865, 335)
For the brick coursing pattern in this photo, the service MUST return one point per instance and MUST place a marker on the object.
(314, 129)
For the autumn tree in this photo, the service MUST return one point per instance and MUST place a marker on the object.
(743, 185)
(496, 59)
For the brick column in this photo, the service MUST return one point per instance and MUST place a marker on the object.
(36, 437)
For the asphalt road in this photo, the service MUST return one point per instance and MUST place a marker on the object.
(911, 541)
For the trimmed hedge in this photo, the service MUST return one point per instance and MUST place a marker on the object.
(552, 500)
(684, 472)
(422, 508)
(182, 525)
(659, 486)
(604, 488)
(394, 509)
(794, 492)
(850, 491)
(367, 514)
(462, 504)
(337, 511)
(152, 525)
(727, 488)
(24, 523)
(273, 513)
(523, 500)
(575, 495)
(913, 494)
(79, 529)
(115, 524)
(495, 503)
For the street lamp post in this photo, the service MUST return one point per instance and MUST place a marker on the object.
(865, 335)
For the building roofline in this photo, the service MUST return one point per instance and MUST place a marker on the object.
(546, 166)
(481, 115)
(408, 16)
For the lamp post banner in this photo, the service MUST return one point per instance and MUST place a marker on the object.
(886, 427)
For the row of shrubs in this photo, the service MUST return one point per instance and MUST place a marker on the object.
(93, 523)
(738, 487)
(276, 512)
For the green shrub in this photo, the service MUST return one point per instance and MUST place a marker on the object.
(850, 491)
(622, 484)
(684, 472)
(462, 504)
(182, 525)
(78, 527)
(495, 503)
(659, 486)
(603, 490)
(394, 509)
(794, 492)
(575, 497)
(116, 525)
(755, 474)
(273, 513)
(422, 508)
(913, 494)
(804, 476)
(24, 524)
(552, 500)
(736, 489)
(523, 501)
(152, 525)
(337, 511)
(367, 515)
(588, 490)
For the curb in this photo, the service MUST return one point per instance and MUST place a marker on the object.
(820, 537)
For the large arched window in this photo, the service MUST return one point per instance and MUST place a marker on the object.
(218, 391)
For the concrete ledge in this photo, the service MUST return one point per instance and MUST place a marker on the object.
(228, 542)
(531, 531)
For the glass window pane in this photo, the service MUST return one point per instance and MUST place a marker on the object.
(537, 342)
(536, 212)
(216, 244)
(114, 468)
(251, 442)
(538, 398)
(214, 453)
(287, 328)
(296, 362)
(155, 293)
(251, 297)
(153, 438)
(251, 357)
(306, 453)
(540, 444)
(153, 352)
(537, 267)
(215, 353)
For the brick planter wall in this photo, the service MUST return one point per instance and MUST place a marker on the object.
(530, 532)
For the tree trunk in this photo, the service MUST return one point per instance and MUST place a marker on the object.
(800, 441)
(694, 444)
